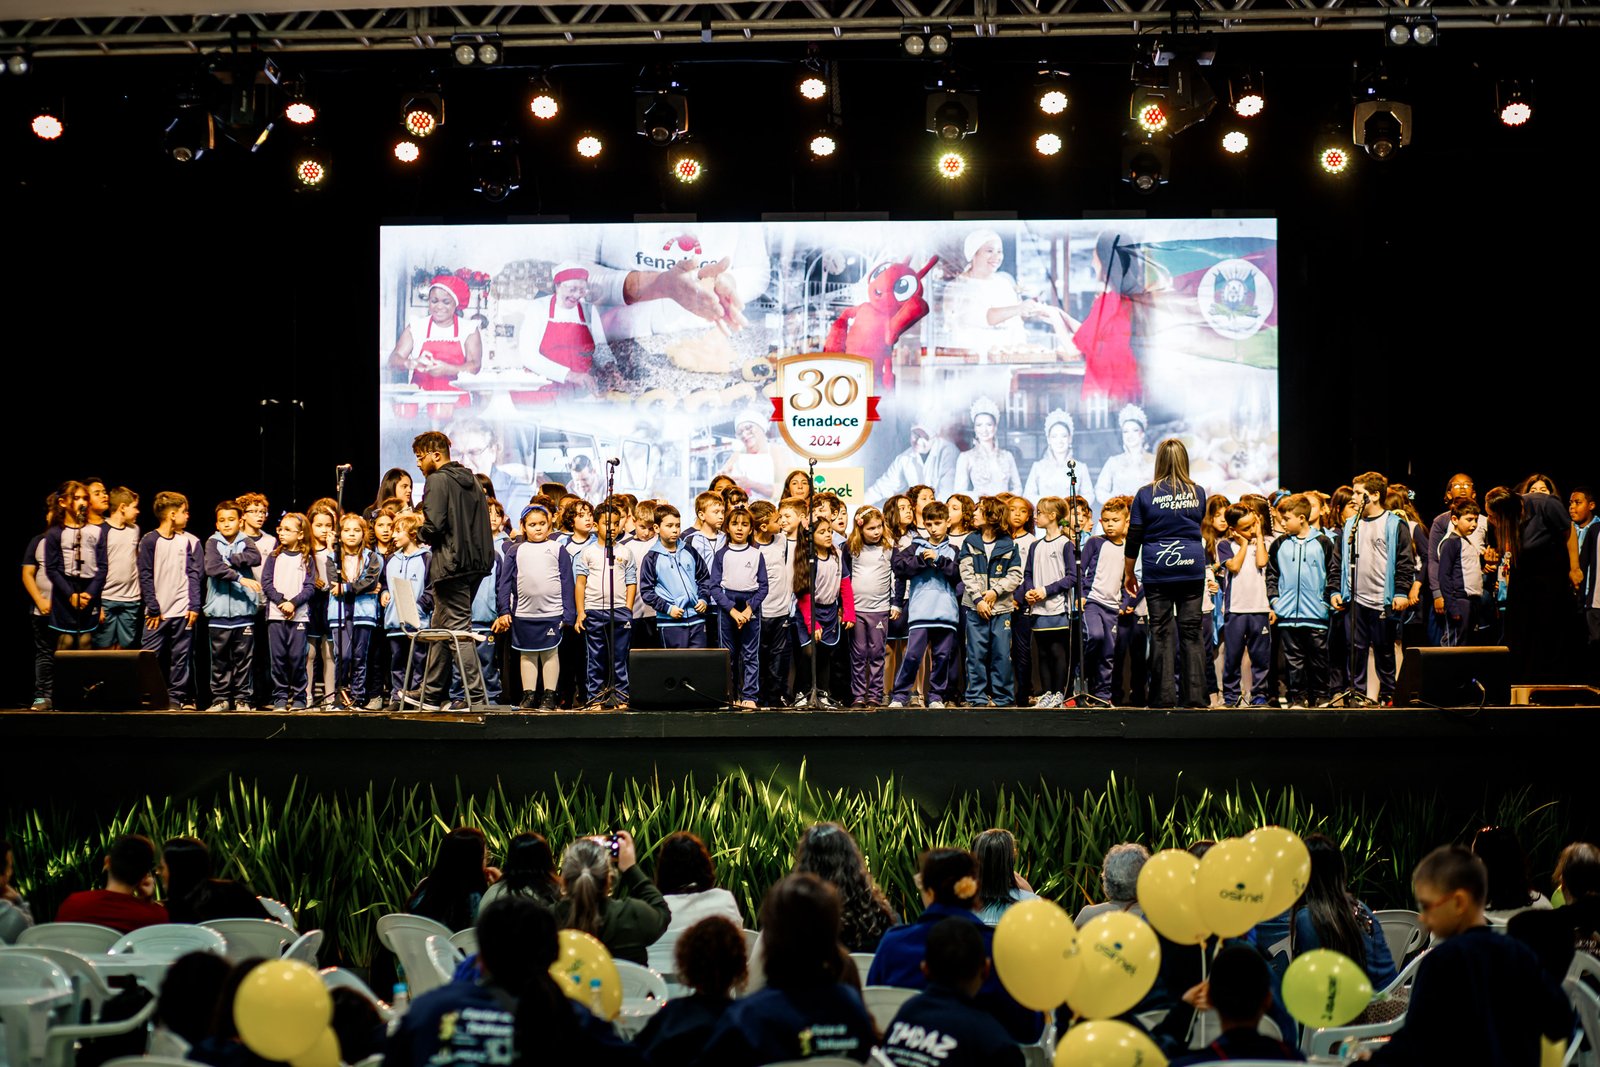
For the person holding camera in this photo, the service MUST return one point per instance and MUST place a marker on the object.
(590, 868)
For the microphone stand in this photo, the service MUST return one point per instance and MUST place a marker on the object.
(1348, 695)
(347, 598)
(1080, 695)
(811, 549)
(607, 697)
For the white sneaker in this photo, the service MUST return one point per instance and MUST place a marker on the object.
(935, 703)
(896, 704)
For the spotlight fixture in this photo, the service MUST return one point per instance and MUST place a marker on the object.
(471, 50)
(589, 146)
(660, 107)
(1513, 102)
(1146, 161)
(812, 81)
(950, 165)
(543, 103)
(407, 151)
(1170, 101)
(1235, 142)
(47, 125)
(301, 109)
(1334, 159)
(1380, 124)
(948, 113)
(933, 42)
(17, 63)
(497, 172)
(1150, 115)
(1414, 30)
(1246, 96)
(823, 145)
(192, 131)
(422, 113)
(1050, 92)
(813, 88)
(687, 168)
(1047, 144)
(309, 165)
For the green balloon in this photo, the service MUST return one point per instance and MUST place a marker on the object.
(1324, 988)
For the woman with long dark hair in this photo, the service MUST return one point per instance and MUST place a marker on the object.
(396, 483)
(453, 890)
(828, 851)
(1535, 534)
(1510, 881)
(192, 895)
(530, 871)
(1000, 885)
(1329, 916)
(1164, 536)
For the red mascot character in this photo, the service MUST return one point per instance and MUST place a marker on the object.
(894, 303)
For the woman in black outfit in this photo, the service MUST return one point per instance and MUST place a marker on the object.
(1542, 618)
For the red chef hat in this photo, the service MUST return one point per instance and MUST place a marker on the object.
(452, 285)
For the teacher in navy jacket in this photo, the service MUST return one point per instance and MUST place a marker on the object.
(1164, 533)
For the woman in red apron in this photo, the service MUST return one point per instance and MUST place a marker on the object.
(434, 350)
(571, 334)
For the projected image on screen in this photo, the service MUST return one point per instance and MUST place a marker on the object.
(1001, 351)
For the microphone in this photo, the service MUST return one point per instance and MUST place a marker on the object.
(613, 461)
(343, 468)
(1072, 465)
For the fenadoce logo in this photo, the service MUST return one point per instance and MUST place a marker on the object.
(1240, 895)
(1113, 952)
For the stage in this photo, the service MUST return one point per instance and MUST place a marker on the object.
(1323, 753)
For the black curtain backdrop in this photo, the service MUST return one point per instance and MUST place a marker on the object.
(164, 320)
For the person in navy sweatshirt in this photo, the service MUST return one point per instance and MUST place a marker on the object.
(1300, 578)
(710, 959)
(672, 579)
(990, 565)
(171, 563)
(75, 564)
(232, 595)
(1103, 600)
(1460, 569)
(1164, 536)
(1376, 593)
(288, 579)
(738, 585)
(927, 564)
(944, 1024)
(1460, 487)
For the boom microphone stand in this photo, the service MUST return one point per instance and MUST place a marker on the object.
(1079, 695)
(608, 697)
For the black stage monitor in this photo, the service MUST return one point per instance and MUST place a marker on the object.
(109, 680)
(677, 679)
(1455, 677)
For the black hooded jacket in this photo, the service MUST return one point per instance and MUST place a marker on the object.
(455, 524)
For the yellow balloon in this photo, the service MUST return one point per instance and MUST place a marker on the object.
(1325, 988)
(325, 1053)
(1290, 862)
(581, 960)
(1119, 956)
(282, 1009)
(1036, 954)
(1167, 895)
(1108, 1043)
(1233, 887)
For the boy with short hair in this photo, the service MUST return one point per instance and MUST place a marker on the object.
(1479, 997)
(638, 546)
(672, 581)
(119, 598)
(774, 525)
(1247, 610)
(253, 513)
(1460, 577)
(1581, 506)
(605, 614)
(232, 597)
(1374, 597)
(484, 615)
(1300, 577)
(1104, 601)
(1239, 989)
(170, 568)
(991, 569)
(703, 539)
(929, 565)
(944, 1024)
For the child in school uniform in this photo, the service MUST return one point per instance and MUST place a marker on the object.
(232, 597)
(323, 515)
(75, 567)
(991, 570)
(119, 597)
(409, 563)
(872, 580)
(170, 566)
(738, 585)
(483, 614)
(378, 653)
(1378, 592)
(826, 600)
(535, 597)
(1460, 570)
(354, 574)
(928, 565)
(1049, 581)
(575, 521)
(1300, 576)
(899, 523)
(776, 545)
(1103, 598)
(672, 580)
(1243, 556)
(1213, 528)
(1019, 525)
(703, 539)
(37, 586)
(604, 597)
(288, 579)
(639, 545)
(253, 512)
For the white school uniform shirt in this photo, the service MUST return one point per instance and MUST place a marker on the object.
(538, 592)
(78, 547)
(265, 543)
(590, 563)
(171, 568)
(827, 579)
(1247, 589)
(1050, 567)
(741, 568)
(1372, 569)
(1471, 564)
(638, 549)
(872, 578)
(289, 577)
(1105, 586)
(779, 555)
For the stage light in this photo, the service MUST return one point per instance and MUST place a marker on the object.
(660, 107)
(407, 151)
(823, 145)
(1234, 142)
(1333, 159)
(687, 168)
(950, 165)
(192, 132)
(1513, 102)
(310, 166)
(300, 113)
(17, 64)
(422, 114)
(1047, 144)
(1422, 31)
(948, 114)
(934, 43)
(1146, 161)
(1050, 92)
(497, 172)
(543, 103)
(939, 42)
(46, 126)
(589, 146)
(812, 81)
(470, 51)
(1151, 118)
(1246, 96)
(913, 44)
(1382, 127)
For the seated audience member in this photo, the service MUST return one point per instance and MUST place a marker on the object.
(828, 851)
(188, 998)
(453, 890)
(15, 915)
(192, 895)
(1510, 882)
(358, 1026)
(128, 900)
(999, 883)
(944, 1025)
(626, 927)
(948, 878)
(1119, 877)
(686, 877)
(513, 1003)
(805, 1010)
(530, 871)
(709, 959)
(1328, 916)
(1555, 935)
(222, 1046)
(1479, 997)
(1240, 990)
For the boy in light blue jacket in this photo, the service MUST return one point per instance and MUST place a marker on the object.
(928, 565)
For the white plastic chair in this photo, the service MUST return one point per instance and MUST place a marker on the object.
(34, 993)
(280, 912)
(407, 937)
(1403, 931)
(466, 940)
(751, 938)
(172, 940)
(147, 1061)
(305, 947)
(1583, 965)
(339, 978)
(405, 609)
(248, 938)
(863, 962)
(87, 938)
(1586, 1003)
(640, 984)
(444, 956)
(661, 954)
(1208, 1027)
(883, 1001)
(62, 1041)
(87, 985)
(1326, 1041)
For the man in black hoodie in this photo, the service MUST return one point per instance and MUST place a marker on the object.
(455, 525)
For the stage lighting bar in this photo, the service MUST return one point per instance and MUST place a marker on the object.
(812, 80)
(823, 144)
(932, 42)
(300, 109)
(192, 131)
(18, 64)
(1050, 92)
(1420, 31)
(470, 51)
(407, 151)
(310, 166)
(1333, 159)
(1235, 142)
(688, 168)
